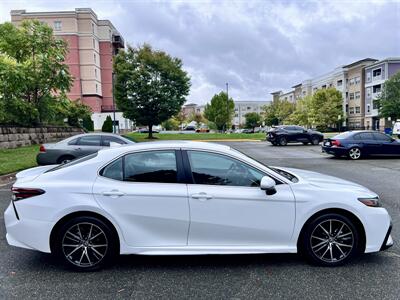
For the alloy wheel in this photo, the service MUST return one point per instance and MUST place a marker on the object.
(354, 153)
(332, 240)
(315, 141)
(84, 244)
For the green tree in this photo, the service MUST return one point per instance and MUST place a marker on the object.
(171, 124)
(253, 120)
(88, 123)
(301, 115)
(150, 85)
(198, 118)
(278, 112)
(33, 75)
(389, 100)
(220, 110)
(107, 125)
(326, 108)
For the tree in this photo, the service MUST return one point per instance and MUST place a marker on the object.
(253, 120)
(389, 100)
(278, 112)
(181, 118)
(171, 124)
(150, 85)
(107, 125)
(220, 110)
(88, 123)
(198, 118)
(326, 108)
(301, 115)
(33, 75)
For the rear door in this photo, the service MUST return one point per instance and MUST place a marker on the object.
(87, 144)
(369, 144)
(143, 192)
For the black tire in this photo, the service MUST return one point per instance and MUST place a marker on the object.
(273, 143)
(65, 159)
(282, 141)
(76, 239)
(315, 140)
(354, 153)
(336, 249)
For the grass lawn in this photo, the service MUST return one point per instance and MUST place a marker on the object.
(12, 160)
(142, 137)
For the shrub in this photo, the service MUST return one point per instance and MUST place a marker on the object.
(107, 125)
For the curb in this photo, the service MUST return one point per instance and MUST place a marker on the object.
(228, 140)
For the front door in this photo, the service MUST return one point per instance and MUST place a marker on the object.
(228, 208)
(141, 191)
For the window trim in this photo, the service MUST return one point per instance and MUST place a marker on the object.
(180, 175)
(189, 175)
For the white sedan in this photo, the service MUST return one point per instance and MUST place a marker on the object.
(175, 198)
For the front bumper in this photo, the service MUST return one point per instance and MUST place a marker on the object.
(388, 241)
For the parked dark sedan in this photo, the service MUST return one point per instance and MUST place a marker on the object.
(77, 146)
(356, 144)
(281, 135)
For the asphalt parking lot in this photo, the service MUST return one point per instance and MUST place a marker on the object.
(30, 274)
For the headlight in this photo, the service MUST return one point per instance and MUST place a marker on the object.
(373, 202)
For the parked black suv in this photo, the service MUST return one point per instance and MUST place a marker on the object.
(281, 135)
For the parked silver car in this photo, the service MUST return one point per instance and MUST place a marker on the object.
(77, 146)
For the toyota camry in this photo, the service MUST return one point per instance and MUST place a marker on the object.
(178, 198)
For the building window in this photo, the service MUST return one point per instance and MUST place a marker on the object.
(368, 108)
(57, 25)
(351, 110)
(377, 72)
(94, 44)
(375, 104)
(339, 83)
(97, 88)
(351, 96)
(358, 95)
(94, 57)
(95, 72)
(323, 87)
(376, 88)
(358, 110)
(352, 81)
(92, 28)
(347, 108)
(357, 80)
(368, 79)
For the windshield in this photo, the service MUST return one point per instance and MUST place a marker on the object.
(74, 162)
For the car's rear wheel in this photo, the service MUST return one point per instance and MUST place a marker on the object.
(65, 159)
(315, 140)
(354, 153)
(282, 141)
(85, 244)
(330, 240)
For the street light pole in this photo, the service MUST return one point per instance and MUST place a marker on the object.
(227, 106)
(114, 129)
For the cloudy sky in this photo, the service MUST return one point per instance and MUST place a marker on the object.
(256, 46)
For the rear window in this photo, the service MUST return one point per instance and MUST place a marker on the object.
(343, 135)
(73, 162)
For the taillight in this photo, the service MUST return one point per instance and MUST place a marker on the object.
(23, 193)
(42, 148)
(336, 143)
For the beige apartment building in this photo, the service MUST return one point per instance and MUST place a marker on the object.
(92, 43)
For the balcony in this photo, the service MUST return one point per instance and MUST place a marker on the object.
(108, 108)
(118, 40)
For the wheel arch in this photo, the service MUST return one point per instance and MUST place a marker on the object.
(72, 215)
(357, 222)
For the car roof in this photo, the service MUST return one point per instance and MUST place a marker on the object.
(90, 133)
(164, 145)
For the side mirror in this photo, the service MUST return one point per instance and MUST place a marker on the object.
(268, 185)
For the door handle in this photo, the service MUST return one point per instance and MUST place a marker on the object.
(113, 193)
(201, 196)
(78, 148)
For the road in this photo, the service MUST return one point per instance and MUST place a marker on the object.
(30, 274)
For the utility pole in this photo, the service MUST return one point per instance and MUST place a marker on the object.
(227, 106)
(113, 108)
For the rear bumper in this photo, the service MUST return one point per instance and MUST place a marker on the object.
(27, 233)
(334, 150)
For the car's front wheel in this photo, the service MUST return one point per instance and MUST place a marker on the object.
(354, 153)
(330, 240)
(85, 243)
(282, 141)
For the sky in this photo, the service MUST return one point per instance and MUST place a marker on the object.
(258, 47)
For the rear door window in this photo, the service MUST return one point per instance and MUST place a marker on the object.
(89, 140)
